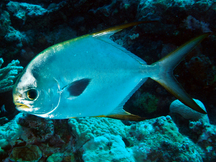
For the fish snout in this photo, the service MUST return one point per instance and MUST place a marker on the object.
(21, 106)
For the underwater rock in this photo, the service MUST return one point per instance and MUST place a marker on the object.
(204, 134)
(35, 129)
(56, 141)
(85, 129)
(15, 36)
(10, 132)
(150, 140)
(201, 69)
(21, 10)
(109, 139)
(186, 112)
(61, 157)
(5, 22)
(107, 147)
(160, 140)
(8, 75)
(29, 153)
(193, 24)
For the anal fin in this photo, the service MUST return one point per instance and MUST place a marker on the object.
(128, 116)
(125, 116)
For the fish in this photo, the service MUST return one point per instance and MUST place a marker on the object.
(91, 75)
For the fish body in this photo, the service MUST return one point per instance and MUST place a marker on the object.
(90, 76)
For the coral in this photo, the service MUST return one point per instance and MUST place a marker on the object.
(159, 140)
(16, 36)
(56, 141)
(8, 74)
(186, 112)
(10, 132)
(204, 134)
(5, 22)
(29, 153)
(201, 68)
(192, 24)
(94, 139)
(150, 140)
(61, 157)
(107, 147)
(134, 36)
(21, 10)
(85, 129)
(35, 129)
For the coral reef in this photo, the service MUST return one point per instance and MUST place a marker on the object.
(186, 112)
(9, 133)
(8, 74)
(86, 128)
(151, 140)
(28, 27)
(21, 10)
(204, 134)
(93, 139)
(66, 157)
(35, 129)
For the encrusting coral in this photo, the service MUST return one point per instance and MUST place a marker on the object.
(186, 112)
(8, 74)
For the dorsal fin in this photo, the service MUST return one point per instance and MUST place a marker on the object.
(110, 31)
(104, 35)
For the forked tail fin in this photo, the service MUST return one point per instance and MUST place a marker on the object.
(166, 78)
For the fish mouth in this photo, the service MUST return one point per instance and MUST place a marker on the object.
(21, 106)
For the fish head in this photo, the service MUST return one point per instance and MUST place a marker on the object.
(36, 93)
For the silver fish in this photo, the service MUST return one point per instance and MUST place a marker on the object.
(93, 76)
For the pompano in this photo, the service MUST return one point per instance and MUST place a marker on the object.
(93, 76)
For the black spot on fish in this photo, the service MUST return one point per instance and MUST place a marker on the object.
(35, 73)
(77, 87)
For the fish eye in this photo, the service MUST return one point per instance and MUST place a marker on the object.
(32, 94)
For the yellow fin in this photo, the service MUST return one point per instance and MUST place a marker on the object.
(126, 116)
(112, 30)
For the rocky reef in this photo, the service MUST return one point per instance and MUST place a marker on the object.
(28, 27)
(8, 75)
(29, 138)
